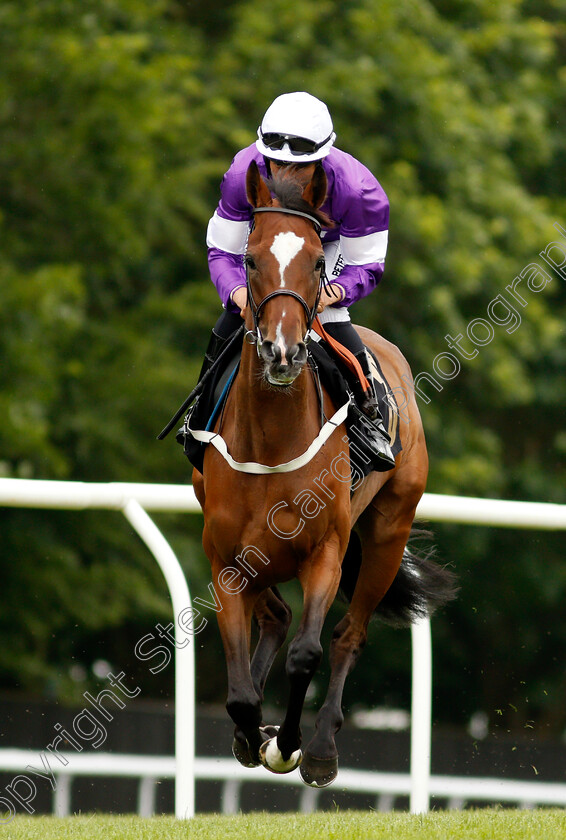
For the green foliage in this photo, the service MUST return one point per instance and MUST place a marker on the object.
(118, 118)
(103, 296)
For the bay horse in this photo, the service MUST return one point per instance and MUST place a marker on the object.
(273, 513)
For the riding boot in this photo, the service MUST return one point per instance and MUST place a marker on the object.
(222, 332)
(215, 346)
(369, 422)
(375, 431)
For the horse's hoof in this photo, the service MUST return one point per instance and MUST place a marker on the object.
(241, 749)
(269, 731)
(318, 772)
(242, 752)
(271, 757)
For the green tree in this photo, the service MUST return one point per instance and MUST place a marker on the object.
(104, 164)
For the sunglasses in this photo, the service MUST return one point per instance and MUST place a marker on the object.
(297, 145)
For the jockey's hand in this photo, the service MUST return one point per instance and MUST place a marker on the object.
(331, 295)
(240, 298)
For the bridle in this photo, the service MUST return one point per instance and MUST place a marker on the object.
(328, 426)
(254, 336)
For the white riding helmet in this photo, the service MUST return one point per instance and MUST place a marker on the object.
(296, 128)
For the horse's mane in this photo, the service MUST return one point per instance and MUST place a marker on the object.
(289, 193)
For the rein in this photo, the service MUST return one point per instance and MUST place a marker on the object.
(231, 343)
(252, 336)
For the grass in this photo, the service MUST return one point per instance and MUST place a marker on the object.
(490, 824)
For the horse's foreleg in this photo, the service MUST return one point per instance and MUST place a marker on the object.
(273, 616)
(383, 543)
(320, 761)
(319, 577)
(243, 703)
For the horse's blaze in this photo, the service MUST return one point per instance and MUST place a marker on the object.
(282, 353)
(285, 248)
(283, 362)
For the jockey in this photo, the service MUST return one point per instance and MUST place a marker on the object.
(297, 130)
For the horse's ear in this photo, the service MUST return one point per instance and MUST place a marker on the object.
(315, 192)
(256, 189)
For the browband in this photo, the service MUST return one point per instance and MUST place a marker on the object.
(288, 212)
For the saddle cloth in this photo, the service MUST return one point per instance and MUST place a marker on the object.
(333, 376)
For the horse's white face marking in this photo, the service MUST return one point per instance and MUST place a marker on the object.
(285, 247)
(280, 341)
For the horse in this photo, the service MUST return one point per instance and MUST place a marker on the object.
(275, 491)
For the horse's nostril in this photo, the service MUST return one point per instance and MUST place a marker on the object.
(298, 354)
(270, 352)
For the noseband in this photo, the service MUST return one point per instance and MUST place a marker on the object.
(252, 336)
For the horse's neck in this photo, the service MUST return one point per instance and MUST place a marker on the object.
(272, 424)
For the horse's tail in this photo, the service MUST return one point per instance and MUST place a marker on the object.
(420, 586)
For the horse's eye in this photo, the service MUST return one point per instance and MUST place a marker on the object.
(319, 264)
(250, 262)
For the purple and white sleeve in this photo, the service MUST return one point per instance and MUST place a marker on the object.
(227, 236)
(363, 210)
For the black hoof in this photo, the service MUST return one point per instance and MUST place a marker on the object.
(241, 749)
(318, 772)
(269, 730)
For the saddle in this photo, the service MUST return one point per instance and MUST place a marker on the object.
(331, 371)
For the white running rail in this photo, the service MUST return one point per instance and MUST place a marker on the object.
(384, 786)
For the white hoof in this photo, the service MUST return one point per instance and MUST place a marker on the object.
(270, 756)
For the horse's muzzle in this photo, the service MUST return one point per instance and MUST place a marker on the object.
(282, 367)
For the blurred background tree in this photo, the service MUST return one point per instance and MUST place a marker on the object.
(118, 119)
